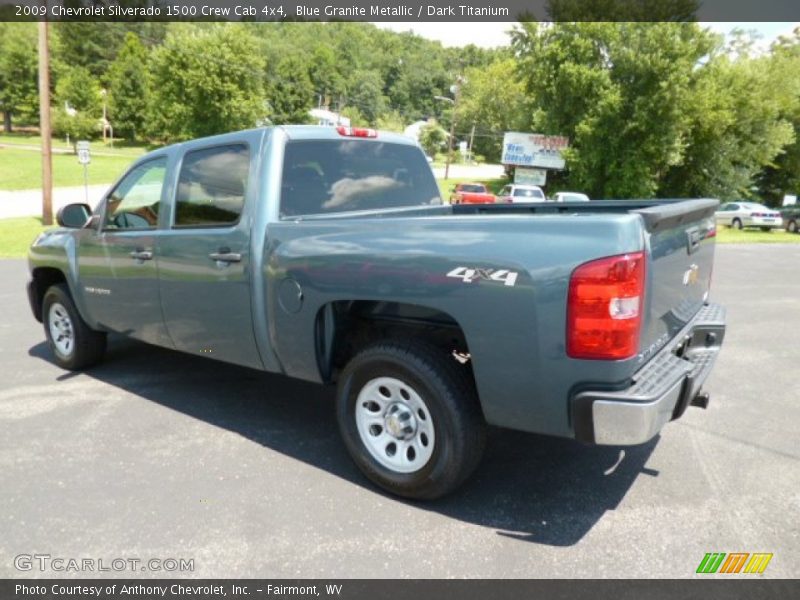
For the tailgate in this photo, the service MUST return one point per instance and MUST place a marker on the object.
(681, 242)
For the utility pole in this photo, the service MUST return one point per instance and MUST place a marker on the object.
(44, 126)
(456, 89)
(471, 138)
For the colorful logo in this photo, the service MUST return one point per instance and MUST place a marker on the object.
(736, 562)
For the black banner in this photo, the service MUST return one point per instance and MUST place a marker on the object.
(380, 589)
(399, 10)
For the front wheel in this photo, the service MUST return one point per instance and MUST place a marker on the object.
(74, 344)
(410, 419)
(736, 224)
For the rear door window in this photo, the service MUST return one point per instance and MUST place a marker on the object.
(330, 176)
(211, 186)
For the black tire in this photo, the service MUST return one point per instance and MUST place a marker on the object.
(791, 226)
(88, 346)
(736, 224)
(448, 392)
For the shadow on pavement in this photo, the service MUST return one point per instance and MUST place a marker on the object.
(529, 487)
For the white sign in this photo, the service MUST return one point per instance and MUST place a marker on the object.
(533, 150)
(789, 200)
(84, 156)
(526, 176)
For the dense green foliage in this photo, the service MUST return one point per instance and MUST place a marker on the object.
(19, 95)
(651, 109)
(659, 109)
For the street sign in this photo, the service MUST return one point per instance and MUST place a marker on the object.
(84, 156)
(533, 150)
(526, 176)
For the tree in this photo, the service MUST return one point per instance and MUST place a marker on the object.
(18, 72)
(77, 126)
(130, 87)
(80, 90)
(782, 175)
(366, 94)
(620, 92)
(735, 130)
(493, 100)
(290, 94)
(206, 81)
(432, 138)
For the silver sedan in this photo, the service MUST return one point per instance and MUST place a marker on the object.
(748, 214)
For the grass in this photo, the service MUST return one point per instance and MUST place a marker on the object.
(22, 169)
(727, 235)
(16, 235)
(120, 148)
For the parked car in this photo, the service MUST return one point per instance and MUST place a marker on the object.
(748, 214)
(471, 193)
(520, 193)
(791, 218)
(570, 197)
(326, 254)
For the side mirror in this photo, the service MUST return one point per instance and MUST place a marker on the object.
(74, 216)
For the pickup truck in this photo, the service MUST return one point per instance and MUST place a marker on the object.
(471, 193)
(327, 254)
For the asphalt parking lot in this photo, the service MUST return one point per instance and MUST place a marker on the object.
(155, 454)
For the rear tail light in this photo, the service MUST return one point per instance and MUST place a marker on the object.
(360, 132)
(604, 308)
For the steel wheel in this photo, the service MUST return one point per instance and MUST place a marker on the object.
(61, 330)
(395, 425)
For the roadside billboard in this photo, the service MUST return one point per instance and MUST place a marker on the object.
(533, 150)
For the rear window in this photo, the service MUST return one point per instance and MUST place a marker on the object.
(329, 176)
(473, 189)
(518, 193)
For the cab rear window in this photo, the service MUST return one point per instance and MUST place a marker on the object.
(330, 176)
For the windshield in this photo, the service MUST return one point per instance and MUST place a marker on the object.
(528, 193)
(328, 176)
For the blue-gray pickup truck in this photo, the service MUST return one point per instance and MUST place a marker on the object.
(327, 254)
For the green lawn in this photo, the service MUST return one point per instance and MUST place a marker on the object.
(22, 169)
(727, 235)
(17, 234)
(121, 147)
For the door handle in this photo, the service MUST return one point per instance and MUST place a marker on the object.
(225, 255)
(141, 254)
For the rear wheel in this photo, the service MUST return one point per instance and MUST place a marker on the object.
(736, 224)
(791, 226)
(410, 419)
(74, 344)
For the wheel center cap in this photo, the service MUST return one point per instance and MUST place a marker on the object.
(400, 422)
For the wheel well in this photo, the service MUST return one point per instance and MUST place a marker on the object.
(43, 278)
(343, 328)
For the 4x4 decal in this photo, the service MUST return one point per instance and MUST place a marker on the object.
(468, 275)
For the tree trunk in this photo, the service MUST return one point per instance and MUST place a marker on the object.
(7, 121)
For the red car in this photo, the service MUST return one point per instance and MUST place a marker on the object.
(471, 193)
